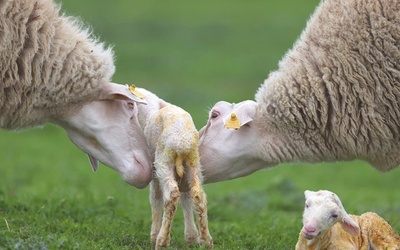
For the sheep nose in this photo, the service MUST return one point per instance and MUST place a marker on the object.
(309, 229)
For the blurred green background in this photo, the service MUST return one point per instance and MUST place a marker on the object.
(195, 53)
(192, 54)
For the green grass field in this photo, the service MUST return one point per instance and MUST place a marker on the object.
(193, 54)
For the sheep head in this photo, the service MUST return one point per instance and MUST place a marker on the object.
(323, 209)
(230, 142)
(108, 130)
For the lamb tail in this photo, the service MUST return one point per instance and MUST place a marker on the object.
(179, 165)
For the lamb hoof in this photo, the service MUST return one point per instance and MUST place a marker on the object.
(209, 243)
(153, 238)
(192, 240)
(162, 243)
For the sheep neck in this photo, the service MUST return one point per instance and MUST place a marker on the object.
(322, 241)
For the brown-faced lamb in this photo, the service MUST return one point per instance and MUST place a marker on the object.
(334, 97)
(326, 225)
(54, 70)
(173, 141)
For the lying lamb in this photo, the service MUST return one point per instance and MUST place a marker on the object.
(328, 226)
(53, 70)
(334, 97)
(173, 142)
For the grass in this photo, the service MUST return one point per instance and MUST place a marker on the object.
(192, 54)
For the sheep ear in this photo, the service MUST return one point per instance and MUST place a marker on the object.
(350, 225)
(347, 223)
(162, 104)
(241, 115)
(113, 91)
(308, 194)
(232, 122)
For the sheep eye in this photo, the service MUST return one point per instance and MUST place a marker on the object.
(214, 114)
(334, 216)
(131, 105)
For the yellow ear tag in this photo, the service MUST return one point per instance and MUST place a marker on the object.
(137, 93)
(233, 122)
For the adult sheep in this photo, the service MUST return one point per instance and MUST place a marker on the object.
(335, 96)
(53, 70)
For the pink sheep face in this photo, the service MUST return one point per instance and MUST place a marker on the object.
(230, 141)
(108, 130)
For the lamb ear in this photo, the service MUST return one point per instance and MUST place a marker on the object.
(347, 223)
(350, 225)
(93, 162)
(162, 104)
(308, 194)
(114, 91)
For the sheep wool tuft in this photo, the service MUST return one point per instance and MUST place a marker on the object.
(47, 60)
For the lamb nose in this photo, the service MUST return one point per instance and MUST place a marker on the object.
(310, 229)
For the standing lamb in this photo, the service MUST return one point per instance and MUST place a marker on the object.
(328, 226)
(53, 70)
(173, 141)
(335, 97)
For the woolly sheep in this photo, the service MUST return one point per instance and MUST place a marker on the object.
(53, 70)
(335, 97)
(326, 225)
(173, 142)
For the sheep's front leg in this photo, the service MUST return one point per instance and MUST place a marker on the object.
(171, 200)
(191, 233)
(156, 202)
(200, 203)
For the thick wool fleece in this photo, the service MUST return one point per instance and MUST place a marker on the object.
(336, 94)
(47, 61)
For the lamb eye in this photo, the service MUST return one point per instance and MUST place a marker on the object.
(334, 216)
(131, 105)
(214, 114)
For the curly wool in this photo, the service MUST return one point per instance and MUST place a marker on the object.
(336, 93)
(47, 61)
